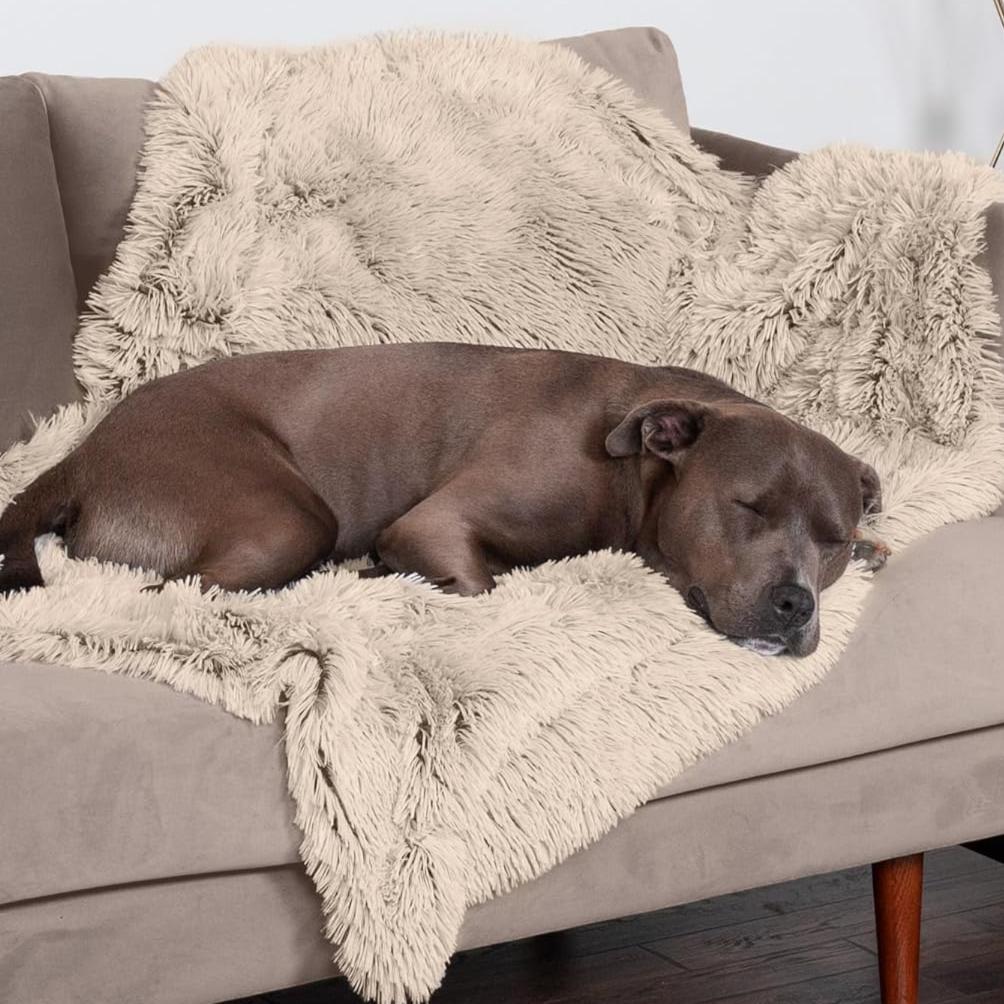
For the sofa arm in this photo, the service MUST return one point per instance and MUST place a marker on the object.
(992, 258)
(742, 155)
(37, 309)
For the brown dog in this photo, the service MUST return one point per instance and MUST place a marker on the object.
(459, 462)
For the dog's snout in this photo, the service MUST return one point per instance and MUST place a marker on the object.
(793, 605)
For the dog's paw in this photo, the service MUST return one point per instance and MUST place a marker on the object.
(869, 550)
(377, 571)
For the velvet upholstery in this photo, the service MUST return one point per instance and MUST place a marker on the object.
(993, 258)
(37, 318)
(96, 127)
(200, 939)
(742, 155)
(645, 59)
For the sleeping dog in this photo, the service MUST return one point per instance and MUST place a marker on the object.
(458, 463)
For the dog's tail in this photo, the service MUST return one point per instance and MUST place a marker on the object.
(42, 507)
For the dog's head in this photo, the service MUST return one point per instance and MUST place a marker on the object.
(748, 514)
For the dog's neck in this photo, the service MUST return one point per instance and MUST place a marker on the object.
(655, 479)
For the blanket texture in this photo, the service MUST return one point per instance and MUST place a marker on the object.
(442, 750)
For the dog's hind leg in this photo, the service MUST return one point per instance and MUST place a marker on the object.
(279, 544)
(43, 506)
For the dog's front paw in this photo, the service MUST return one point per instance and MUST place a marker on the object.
(461, 585)
(874, 553)
(377, 571)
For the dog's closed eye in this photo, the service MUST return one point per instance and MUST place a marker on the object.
(750, 507)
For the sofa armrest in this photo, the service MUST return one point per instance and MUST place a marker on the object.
(992, 258)
(37, 309)
(742, 155)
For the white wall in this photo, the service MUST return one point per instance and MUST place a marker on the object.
(799, 73)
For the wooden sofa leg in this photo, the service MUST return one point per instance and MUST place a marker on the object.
(898, 886)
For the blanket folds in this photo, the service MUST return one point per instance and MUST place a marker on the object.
(479, 188)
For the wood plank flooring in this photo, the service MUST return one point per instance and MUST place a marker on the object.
(805, 942)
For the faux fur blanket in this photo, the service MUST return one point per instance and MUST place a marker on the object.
(442, 750)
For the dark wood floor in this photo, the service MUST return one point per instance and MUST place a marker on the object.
(805, 942)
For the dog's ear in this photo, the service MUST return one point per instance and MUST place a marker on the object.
(871, 490)
(665, 428)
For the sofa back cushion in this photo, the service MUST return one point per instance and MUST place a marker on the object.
(96, 132)
(68, 160)
(644, 58)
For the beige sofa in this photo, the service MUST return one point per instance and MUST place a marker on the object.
(147, 852)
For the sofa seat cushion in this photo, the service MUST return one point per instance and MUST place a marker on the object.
(106, 780)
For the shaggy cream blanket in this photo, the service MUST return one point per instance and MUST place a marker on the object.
(442, 750)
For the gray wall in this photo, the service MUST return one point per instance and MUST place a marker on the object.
(923, 74)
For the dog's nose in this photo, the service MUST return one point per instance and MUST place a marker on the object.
(792, 604)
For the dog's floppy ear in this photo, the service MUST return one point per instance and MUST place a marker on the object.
(664, 428)
(871, 490)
